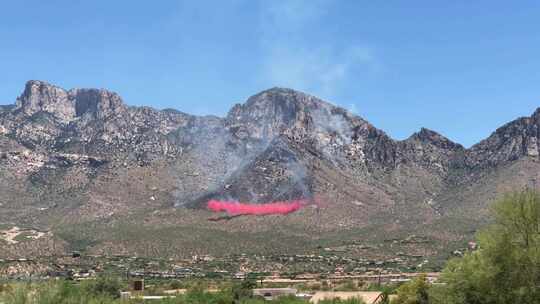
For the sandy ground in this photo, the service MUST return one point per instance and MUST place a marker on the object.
(370, 297)
(10, 235)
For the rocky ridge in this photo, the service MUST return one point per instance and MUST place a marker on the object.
(83, 156)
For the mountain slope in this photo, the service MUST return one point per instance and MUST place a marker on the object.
(98, 175)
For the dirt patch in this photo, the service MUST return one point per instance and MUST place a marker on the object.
(16, 235)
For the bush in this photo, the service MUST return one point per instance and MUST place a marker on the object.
(53, 292)
(103, 286)
(506, 267)
(17, 295)
(348, 285)
(243, 290)
(175, 284)
(413, 292)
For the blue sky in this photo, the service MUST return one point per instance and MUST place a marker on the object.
(462, 68)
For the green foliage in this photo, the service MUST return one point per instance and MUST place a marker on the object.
(506, 268)
(54, 292)
(386, 291)
(413, 292)
(348, 285)
(325, 286)
(200, 296)
(243, 290)
(103, 286)
(79, 237)
(92, 292)
(17, 295)
(175, 284)
(23, 236)
(4, 287)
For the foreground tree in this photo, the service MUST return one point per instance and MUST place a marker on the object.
(506, 268)
(413, 292)
(243, 291)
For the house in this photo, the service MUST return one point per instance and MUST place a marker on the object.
(370, 297)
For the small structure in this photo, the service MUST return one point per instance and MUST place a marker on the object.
(138, 285)
(125, 295)
(240, 275)
(274, 293)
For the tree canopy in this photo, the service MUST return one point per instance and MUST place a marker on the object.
(506, 267)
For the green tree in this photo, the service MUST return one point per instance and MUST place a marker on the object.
(506, 268)
(386, 291)
(413, 292)
(243, 290)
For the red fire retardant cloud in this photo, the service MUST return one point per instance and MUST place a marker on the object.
(235, 208)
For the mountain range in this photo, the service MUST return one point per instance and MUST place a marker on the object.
(82, 170)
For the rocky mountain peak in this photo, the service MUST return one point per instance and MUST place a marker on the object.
(97, 102)
(300, 117)
(281, 110)
(287, 103)
(512, 141)
(40, 96)
(434, 138)
(536, 113)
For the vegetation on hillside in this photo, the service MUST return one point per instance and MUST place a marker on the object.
(506, 267)
(107, 291)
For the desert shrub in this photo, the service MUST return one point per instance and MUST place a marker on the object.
(19, 294)
(315, 286)
(243, 290)
(175, 284)
(4, 287)
(103, 286)
(325, 286)
(348, 285)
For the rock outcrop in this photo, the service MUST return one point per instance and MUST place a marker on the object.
(514, 140)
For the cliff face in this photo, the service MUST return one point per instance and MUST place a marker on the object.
(83, 156)
(514, 140)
